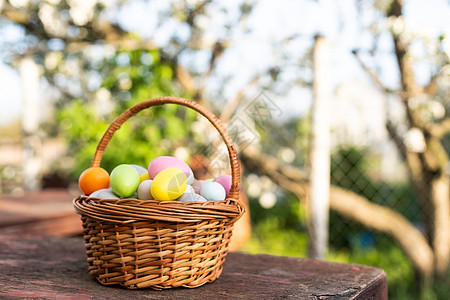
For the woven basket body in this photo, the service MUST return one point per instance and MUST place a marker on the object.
(159, 244)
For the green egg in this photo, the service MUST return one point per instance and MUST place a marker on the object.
(124, 180)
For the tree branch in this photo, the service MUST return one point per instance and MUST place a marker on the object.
(217, 50)
(432, 86)
(375, 78)
(94, 32)
(441, 238)
(111, 33)
(264, 163)
(192, 13)
(231, 106)
(398, 140)
(185, 79)
(438, 130)
(409, 84)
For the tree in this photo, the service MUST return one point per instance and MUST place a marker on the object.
(420, 145)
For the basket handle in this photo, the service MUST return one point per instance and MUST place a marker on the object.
(117, 123)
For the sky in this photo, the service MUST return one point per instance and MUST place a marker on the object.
(270, 21)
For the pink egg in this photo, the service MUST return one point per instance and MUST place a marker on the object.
(225, 181)
(163, 162)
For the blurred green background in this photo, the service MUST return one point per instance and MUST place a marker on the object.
(79, 64)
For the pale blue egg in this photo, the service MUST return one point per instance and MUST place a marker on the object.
(190, 179)
(213, 191)
(139, 169)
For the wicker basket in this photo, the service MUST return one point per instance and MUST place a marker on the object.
(159, 244)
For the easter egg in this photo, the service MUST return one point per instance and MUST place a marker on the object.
(189, 189)
(225, 181)
(93, 179)
(197, 186)
(143, 177)
(190, 178)
(169, 184)
(104, 194)
(144, 190)
(124, 180)
(163, 162)
(139, 169)
(213, 191)
(191, 197)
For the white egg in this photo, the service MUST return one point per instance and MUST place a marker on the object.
(191, 197)
(189, 189)
(144, 190)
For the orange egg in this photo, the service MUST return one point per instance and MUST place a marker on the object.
(93, 179)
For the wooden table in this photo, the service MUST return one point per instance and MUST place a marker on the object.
(50, 267)
(49, 212)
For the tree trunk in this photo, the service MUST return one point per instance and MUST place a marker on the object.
(320, 153)
(428, 169)
(441, 237)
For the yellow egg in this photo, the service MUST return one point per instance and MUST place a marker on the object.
(169, 184)
(144, 176)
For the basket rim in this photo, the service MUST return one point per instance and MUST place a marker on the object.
(131, 210)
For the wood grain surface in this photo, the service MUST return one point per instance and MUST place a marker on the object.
(50, 267)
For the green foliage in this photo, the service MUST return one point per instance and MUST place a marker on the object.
(278, 230)
(266, 239)
(153, 132)
(137, 75)
(285, 214)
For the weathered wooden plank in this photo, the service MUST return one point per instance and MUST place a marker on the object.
(55, 267)
(46, 212)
